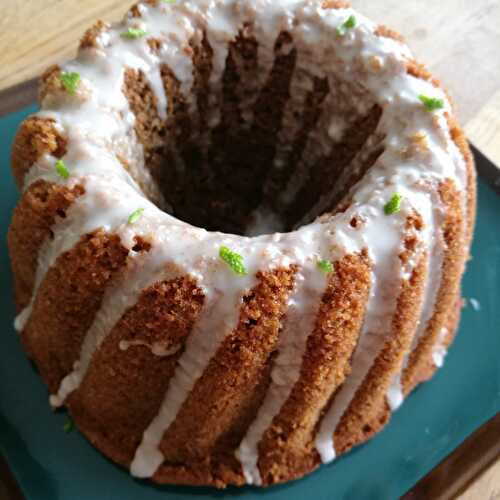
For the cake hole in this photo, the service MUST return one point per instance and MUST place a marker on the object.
(259, 155)
(141, 245)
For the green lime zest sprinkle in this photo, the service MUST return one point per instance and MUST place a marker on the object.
(393, 206)
(70, 81)
(431, 103)
(325, 266)
(233, 260)
(135, 215)
(169, 1)
(68, 426)
(133, 33)
(347, 25)
(62, 169)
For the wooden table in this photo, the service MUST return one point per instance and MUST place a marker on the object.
(458, 39)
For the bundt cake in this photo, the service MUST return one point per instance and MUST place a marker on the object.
(241, 235)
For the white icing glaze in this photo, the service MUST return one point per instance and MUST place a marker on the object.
(300, 319)
(386, 283)
(141, 273)
(439, 350)
(220, 317)
(395, 396)
(156, 348)
(99, 124)
(264, 222)
(105, 208)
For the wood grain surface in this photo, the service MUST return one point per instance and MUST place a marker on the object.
(471, 472)
(458, 39)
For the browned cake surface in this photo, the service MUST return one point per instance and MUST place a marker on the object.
(287, 446)
(126, 375)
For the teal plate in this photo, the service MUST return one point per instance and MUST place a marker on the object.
(50, 464)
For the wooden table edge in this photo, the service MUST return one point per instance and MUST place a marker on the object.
(19, 96)
(453, 475)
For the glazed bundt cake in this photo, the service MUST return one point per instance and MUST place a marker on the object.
(241, 235)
